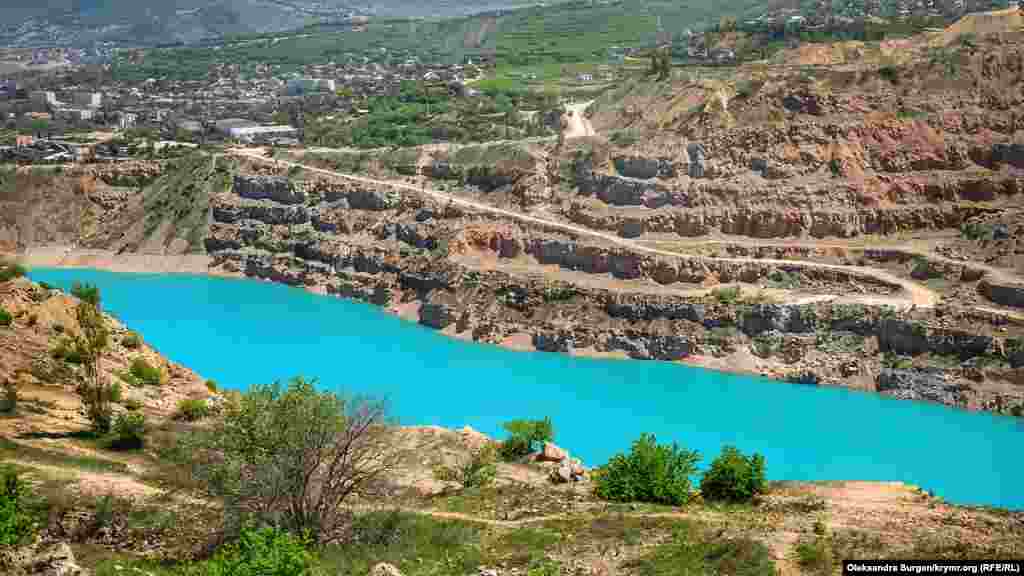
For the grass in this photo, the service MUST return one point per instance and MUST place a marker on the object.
(417, 545)
(694, 550)
(11, 449)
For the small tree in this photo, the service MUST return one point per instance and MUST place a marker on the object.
(290, 456)
(525, 436)
(734, 477)
(88, 345)
(649, 473)
(16, 523)
(86, 293)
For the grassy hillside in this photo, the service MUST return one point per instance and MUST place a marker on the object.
(571, 32)
(583, 30)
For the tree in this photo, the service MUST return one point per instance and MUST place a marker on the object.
(91, 341)
(525, 436)
(734, 477)
(289, 456)
(653, 473)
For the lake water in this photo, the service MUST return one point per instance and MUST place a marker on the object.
(241, 332)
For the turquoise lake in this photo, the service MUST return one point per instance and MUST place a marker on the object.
(241, 332)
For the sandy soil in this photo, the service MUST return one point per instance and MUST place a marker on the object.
(70, 257)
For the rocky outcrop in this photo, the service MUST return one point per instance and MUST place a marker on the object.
(644, 168)
(635, 307)
(439, 311)
(697, 154)
(262, 211)
(920, 384)
(1003, 293)
(667, 347)
(1012, 154)
(277, 188)
(760, 318)
(41, 559)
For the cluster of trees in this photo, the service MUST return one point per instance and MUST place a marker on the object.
(661, 474)
(421, 113)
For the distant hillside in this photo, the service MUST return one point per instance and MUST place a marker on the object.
(80, 22)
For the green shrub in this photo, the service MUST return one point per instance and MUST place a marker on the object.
(525, 436)
(131, 404)
(5, 317)
(264, 552)
(734, 477)
(653, 473)
(211, 385)
(129, 431)
(86, 293)
(67, 352)
(478, 470)
(11, 271)
(16, 522)
(192, 409)
(131, 341)
(727, 295)
(115, 392)
(145, 372)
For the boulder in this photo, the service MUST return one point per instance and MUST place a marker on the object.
(562, 474)
(553, 453)
(1003, 293)
(385, 569)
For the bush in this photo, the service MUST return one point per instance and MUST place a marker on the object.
(653, 473)
(264, 552)
(86, 293)
(5, 317)
(16, 522)
(9, 400)
(192, 409)
(525, 436)
(211, 385)
(145, 372)
(727, 295)
(734, 477)
(478, 470)
(131, 341)
(67, 352)
(129, 431)
(11, 271)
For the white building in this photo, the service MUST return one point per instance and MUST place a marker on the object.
(255, 134)
(127, 120)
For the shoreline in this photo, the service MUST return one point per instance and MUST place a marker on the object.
(199, 264)
(738, 363)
